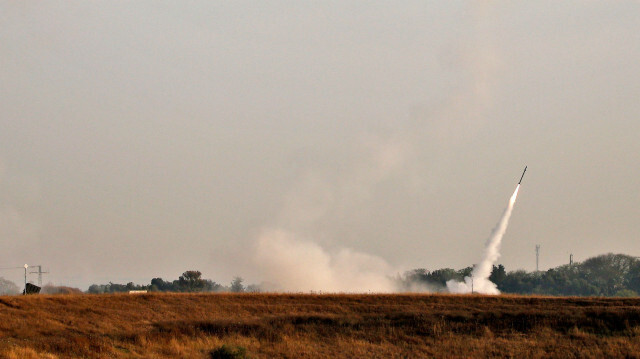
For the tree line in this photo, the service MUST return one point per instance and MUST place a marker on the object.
(189, 281)
(609, 275)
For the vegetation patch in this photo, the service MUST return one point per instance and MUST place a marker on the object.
(285, 325)
(229, 352)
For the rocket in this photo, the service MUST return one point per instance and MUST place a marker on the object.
(525, 170)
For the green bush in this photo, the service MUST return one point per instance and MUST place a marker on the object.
(229, 352)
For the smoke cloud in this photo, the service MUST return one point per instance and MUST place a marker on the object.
(291, 263)
(479, 281)
(304, 249)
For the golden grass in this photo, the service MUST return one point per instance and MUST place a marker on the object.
(317, 326)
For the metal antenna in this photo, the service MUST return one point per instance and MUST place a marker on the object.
(40, 273)
(537, 257)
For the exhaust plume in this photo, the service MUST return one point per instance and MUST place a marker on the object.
(303, 250)
(479, 281)
(294, 264)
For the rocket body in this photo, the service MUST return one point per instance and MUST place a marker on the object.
(521, 177)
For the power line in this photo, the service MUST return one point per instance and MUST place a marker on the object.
(3, 268)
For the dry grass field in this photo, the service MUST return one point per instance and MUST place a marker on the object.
(316, 326)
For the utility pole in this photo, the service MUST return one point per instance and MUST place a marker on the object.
(570, 260)
(537, 257)
(25, 278)
(40, 273)
(471, 282)
(473, 268)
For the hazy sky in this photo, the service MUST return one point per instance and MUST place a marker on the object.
(145, 138)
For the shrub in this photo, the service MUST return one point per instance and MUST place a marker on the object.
(229, 352)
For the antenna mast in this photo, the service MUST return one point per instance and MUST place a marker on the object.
(40, 273)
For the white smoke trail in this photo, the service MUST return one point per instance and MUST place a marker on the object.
(479, 281)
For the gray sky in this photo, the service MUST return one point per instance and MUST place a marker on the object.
(142, 139)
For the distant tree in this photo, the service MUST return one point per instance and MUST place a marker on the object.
(414, 280)
(465, 272)
(115, 288)
(160, 285)
(236, 285)
(8, 287)
(191, 281)
(418, 275)
(498, 274)
(632, 279)
(95, 289)
(608, 272)
(442, 276)
(517, 282)
(211, 286)
(604, 275)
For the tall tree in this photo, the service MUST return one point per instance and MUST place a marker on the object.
(191, 281)
(236, 285)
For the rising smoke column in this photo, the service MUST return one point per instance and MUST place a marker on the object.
(295, 254)
(479, 281)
